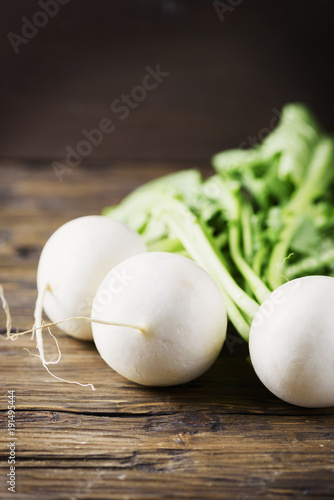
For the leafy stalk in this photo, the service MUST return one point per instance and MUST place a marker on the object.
(245, 220)
(259, 289)
(242, 224)
(184, 223)
(316, 180)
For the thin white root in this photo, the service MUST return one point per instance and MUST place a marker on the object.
(38, 325)
(6, 309)
(31, 353)
(68, 381)
(92, 320)
(55, 376)
(38, 330)
(53, 361)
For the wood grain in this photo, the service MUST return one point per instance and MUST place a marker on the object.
(222, 436)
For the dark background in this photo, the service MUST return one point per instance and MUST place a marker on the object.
(226, 77)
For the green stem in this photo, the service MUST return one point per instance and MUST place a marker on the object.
(258, 259)
(259, 289)
(235, 316)
(315, 181)
(217, 273)
(245, 218)
(186, 227)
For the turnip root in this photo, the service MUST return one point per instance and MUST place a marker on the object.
(72, 265)
(291, 342)
(179, 309)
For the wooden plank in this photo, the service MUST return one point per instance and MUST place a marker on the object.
(108, 483)
(197, 451)
(70, 436)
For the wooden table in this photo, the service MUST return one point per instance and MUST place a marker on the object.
(221, 436)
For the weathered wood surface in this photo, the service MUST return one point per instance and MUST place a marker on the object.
(223, 436)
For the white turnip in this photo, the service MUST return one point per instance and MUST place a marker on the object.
(73, 263)
(180, 312)
(291, 342)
